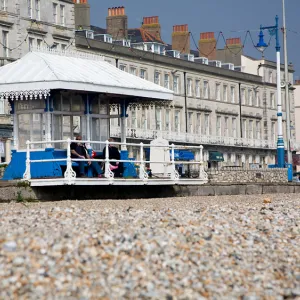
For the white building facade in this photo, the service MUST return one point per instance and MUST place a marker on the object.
(27, 24)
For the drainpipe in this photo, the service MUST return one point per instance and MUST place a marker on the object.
(185, 102)
(240, 103)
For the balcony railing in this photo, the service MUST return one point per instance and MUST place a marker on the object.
(182, 137)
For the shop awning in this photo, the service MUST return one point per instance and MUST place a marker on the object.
(215, 156)
(37, 73)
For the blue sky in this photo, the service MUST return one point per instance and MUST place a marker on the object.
(232, 17)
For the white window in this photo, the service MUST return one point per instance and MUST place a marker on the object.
(31, 43)
(132, 70)
(3, 5)
(244, 128)
(190, 116)
(250, 129)
(29, 8)
(250, 97)
(205, 89)
(232, 94)
(273, 132)
(167, 81)
(258, 130)
(157, 77)
(2, 111)
(189, 87)
(219, 129)
(256, 98)
(272, 100)
(133, 119)
(144, 119)
(38, 10)
(122, 67)
(197, 88)
(143, 73)
(243, 96)
(175, 84)
(234, 127)
(5, 43)
(226, 130)
(206, 121)
(199, 131)
(54, 8)
(62, 15)
(158, 118)
(167, 120)
(225, 91)
(177, 120)
(270, 77)
(218, 91)
(39, 43)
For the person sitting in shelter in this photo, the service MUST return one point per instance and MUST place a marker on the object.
(113, 153)
(79, 151)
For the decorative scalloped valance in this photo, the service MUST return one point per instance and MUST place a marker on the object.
(26, 95)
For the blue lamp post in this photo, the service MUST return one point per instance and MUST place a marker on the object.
(261, 46)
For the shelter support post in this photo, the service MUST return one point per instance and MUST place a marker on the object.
(15, 127)
(48, 122)
(8, 150)
(88, 127)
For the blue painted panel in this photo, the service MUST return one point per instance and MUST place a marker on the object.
(16, 167)
(129, 169)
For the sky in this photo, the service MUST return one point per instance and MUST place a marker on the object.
(232, 17)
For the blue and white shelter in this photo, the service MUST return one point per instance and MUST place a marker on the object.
(56, 95)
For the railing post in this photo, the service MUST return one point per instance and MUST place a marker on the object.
(69, 173)
(27, 174)
(174, 173)
(143, 174)
(108, 173)
(202, 173)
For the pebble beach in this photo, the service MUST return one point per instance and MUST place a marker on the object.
(225, 247)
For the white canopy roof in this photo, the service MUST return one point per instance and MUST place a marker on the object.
(35, 74)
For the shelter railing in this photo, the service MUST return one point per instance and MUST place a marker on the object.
(70, 174)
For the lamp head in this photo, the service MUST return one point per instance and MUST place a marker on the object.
(261, 45)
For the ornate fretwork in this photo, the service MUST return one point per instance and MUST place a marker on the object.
(25, 95)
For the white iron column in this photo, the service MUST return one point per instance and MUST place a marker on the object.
(123, 117)
(88, 118)
(48, 123)
(8, 150)
(16, 131)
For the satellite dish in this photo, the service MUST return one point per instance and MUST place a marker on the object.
(282, 84)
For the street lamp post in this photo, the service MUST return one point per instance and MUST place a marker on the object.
(261, 46)
(287, 87)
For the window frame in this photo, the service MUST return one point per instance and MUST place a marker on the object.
(55, 13)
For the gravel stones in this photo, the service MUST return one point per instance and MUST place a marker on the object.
(230, 247)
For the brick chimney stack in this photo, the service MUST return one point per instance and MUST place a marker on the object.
(151, 25)
(82, 14)
(181, 38)
(117, 23)
(297, 82)
(207, 45)
(232, 52)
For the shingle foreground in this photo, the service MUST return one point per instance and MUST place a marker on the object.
(231, 247)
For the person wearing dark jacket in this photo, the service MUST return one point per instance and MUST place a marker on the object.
(116, 167)
(79, 151)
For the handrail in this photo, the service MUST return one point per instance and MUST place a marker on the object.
(70, 175)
